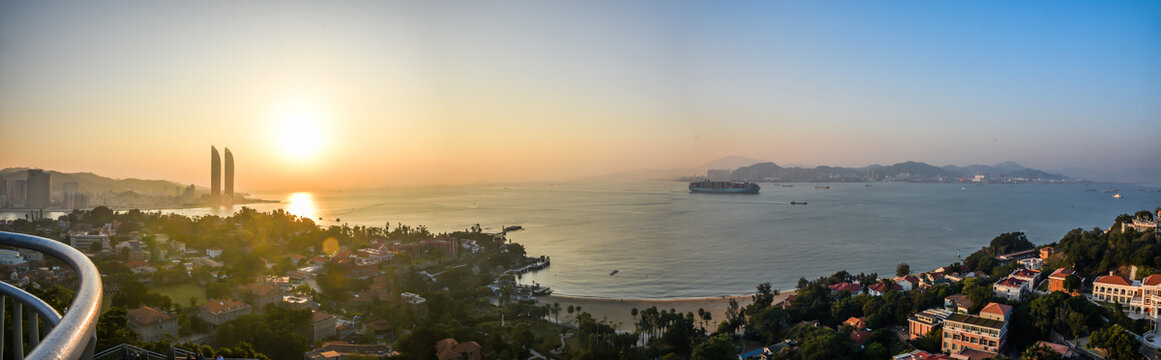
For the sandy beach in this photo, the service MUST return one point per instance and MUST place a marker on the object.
(619, 310)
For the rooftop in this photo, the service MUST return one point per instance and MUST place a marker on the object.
(976, 321)
(218, 306)
(999, 310)
(1061, 273)
(148, 315)
(1112, 280)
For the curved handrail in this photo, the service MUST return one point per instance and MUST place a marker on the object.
(70, 337)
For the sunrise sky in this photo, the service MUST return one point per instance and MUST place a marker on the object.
(316, 95)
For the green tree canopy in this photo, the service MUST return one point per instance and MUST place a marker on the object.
(1114, 339)
(718, 347)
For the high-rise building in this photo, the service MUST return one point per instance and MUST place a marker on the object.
(229, 175)
(215, 175)
(39, 189)
(16, 194)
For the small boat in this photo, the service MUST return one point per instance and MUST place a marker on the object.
(787, 185)
(614, 272)
(1117, 196)
(513, 228)
(797, 203)
(823, 187)
(963, 188)
(868, 185)
(1089, 190)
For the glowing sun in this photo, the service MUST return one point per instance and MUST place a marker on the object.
(299, 131)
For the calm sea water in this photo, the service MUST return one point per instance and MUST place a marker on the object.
(667, 242)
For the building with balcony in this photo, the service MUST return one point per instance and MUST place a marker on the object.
(1011, 288)
(920, 324)
(1140, 298)
(986, 332)
(84, 242)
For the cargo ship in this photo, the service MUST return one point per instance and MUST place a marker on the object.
(725, 187)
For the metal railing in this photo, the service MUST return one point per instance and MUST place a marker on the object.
(70, 337)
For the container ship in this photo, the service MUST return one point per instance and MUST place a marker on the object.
(727, 187)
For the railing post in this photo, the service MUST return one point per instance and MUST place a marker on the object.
(33, 329)
(17, 330)
(90, 348)
(3, 301)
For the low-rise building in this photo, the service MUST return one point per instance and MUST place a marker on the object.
(852, 288)
(920, 324)
(1064, 351)
(1011, 288)
(342, 349)
(322, 325)
(959, 303)
(416, 303)
(1047, 252)
(878, 289)
(450, 349)
(1032, 263)
(261, 294)
(920, 355)
(1056, 280)
(84, 242)
(152, 324)
(219, 311)
(908, 283)
(1029, 275)
(1141, 298)
(986, 332)
(1114, 289)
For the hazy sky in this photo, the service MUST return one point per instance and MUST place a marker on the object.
(389, 93)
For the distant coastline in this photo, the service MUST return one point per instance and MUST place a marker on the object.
(146, 208)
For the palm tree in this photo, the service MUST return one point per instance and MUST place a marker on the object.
(556, 311)
(701, 315)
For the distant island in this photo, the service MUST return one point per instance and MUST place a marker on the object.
(910, 171)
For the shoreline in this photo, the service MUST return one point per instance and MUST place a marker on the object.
(618, 310)
(147, 208)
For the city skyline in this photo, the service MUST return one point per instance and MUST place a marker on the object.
(516, 92)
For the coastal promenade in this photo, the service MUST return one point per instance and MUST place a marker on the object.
(618, 311)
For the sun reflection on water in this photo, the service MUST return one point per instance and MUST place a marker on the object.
(302, 204)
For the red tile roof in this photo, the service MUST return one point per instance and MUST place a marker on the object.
(846, 286)
(148, 315)
(1026, 273)
(1011, 282)
(860, 336)
(879, 287)
(1152, 280)
(316, 316)
(1112, 280)
(218, 306)
(998, 309)
(856, 322)
(1061, 273)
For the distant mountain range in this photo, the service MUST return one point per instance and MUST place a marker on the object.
(910, 169)
(90, 182)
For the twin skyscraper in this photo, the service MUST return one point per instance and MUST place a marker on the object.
(216, 176)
